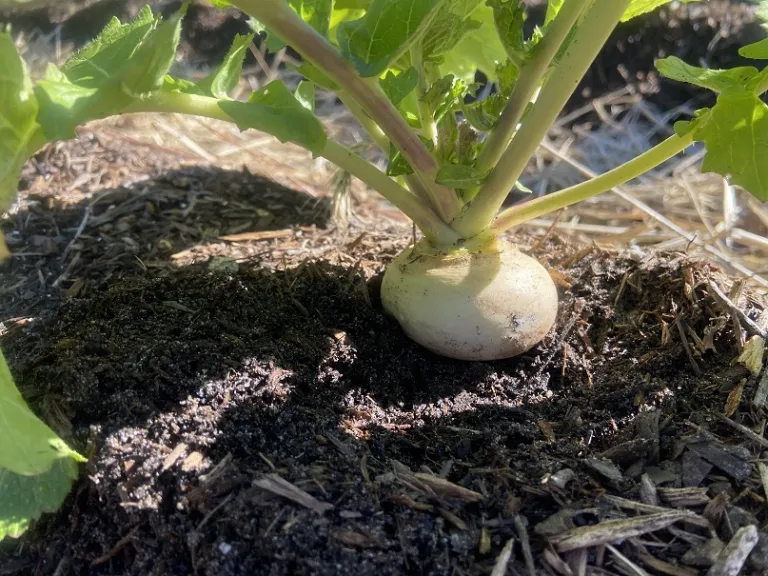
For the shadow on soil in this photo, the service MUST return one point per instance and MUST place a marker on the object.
(184, 386)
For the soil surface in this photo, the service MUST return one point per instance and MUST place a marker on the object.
(217, 349)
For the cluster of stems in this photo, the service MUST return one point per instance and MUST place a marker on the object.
(532, 108)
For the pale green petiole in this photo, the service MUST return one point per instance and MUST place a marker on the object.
(541, 206)
(530, 77)
(590, 36)
(280, 18)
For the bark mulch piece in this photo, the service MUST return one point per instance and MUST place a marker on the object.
(218, 351)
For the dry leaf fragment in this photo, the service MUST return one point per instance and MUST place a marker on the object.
(751, 356)
(734, 396)
(277, 485)
(447, 489)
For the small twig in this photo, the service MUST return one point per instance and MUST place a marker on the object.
(210, 514)
(80, 228)
(681, 330)
(115, 550)
(525, 543)
(742, 429)
(749, 325)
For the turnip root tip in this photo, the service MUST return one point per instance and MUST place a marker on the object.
(486, 304)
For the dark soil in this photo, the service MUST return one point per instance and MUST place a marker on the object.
(247, 407)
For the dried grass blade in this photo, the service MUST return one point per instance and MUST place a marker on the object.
(615, 530)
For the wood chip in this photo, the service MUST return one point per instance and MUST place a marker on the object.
(500, 567)
(731, 560)
(175, 454)
(556, 563)
(742, 429)
(277, 485)
(684, 497)
(729, 460)
(615, 530)
(664, 567)
(648, 492)
(734, 396)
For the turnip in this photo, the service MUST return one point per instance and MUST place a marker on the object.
(481, 303)
(406, 70)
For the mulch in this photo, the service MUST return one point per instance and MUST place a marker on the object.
(215, 345)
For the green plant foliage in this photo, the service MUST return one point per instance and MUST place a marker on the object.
(735, 130)
(24, 498)
(640, 7)
(274, 110)
(18, 123)
(225, 78)
(460, 176)
(373, 42)
(305, 95)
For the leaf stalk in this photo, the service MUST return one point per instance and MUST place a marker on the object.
(283, 21)
(531, 209)
(590, 36)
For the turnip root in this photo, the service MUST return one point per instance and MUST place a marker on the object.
(481, 304)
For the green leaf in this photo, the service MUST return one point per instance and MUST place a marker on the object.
(756, 51)
(447, 137)
(460, 176)
(507, 75)
(103, 59)
(220, 3)
(509, 16)
(24, 498)
(29, 447)
(735, 133)
(351, 4)
(274, 110)
(316, 13)
(385, 32)
(152, 61)
(716, 80)
(226, 77)
(397, 87)
(483, 115)
(553, 8)
(305, 94)
(639, 7)
(444, 95)
(446, 30)
(64, 105)
(467, 144)
(18, 109)
(482, 50)
(173, 84)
